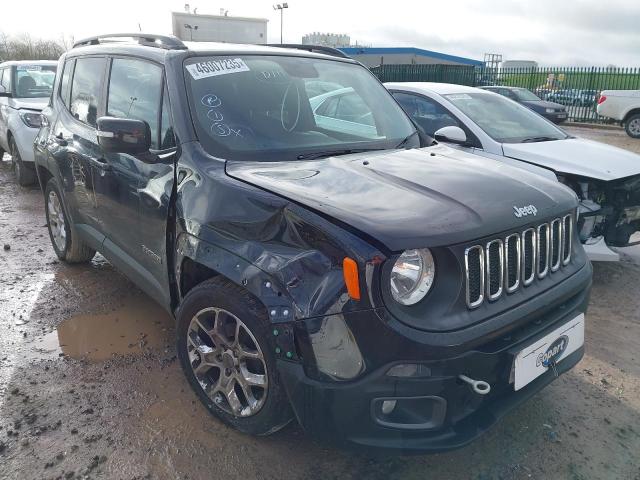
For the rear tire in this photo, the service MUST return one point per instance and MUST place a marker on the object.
(25, 175)
(632, 126)
(218, 370)
(64, 238)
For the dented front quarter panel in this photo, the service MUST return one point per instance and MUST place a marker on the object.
(287, 256)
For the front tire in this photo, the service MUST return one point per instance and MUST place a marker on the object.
(25, 175)
(632, 126)
(64, 238)
(222, 345)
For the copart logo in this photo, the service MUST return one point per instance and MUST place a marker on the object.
(524, 211)
(555, 350)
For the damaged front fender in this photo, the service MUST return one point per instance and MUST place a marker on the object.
(285, 255)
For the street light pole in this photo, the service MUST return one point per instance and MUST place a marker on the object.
(281, 7)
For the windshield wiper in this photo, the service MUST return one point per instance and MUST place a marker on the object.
(334, 153)
(404, 142)
(538, 139)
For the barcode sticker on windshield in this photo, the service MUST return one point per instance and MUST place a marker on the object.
(29, 68)
(213, 68)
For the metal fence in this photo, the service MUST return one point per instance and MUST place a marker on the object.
(575, 87)
(460, 74)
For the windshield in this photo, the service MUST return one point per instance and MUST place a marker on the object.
(33, 81)
(503, 120)
(281, 108)
(526, 95)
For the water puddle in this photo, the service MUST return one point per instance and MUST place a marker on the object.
(138, 326)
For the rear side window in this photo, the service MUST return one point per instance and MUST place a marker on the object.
(85, 89)
(65, 82)
(135, 91)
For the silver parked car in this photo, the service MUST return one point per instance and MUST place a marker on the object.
(606, 179)
(25, 88)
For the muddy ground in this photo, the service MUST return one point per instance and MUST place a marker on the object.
(90, 386)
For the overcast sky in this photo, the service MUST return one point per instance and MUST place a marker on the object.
(552, 32)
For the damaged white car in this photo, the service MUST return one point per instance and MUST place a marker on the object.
(606, 179)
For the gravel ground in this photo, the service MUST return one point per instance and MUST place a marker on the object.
(90, 386)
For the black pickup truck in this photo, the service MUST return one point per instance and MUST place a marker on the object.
(324, 259)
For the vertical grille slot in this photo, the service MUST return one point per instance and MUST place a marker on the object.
(505, 264)
(543, 250)
(567, 237)
(495, 268)
(528, 256)
(556, 244)
(474, 266)
(512, 262)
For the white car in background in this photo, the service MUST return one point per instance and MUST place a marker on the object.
(25, 88)
(343, 110)
(606, 179)
(624, 106)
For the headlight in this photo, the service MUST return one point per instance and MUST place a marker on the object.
(412, 276)
(549, 110)
(30, 119)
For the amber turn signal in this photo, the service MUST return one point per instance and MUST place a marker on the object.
(350, 272)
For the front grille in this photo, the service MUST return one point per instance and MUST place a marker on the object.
(506, 265)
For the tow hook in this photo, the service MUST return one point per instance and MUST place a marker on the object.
(479, 386)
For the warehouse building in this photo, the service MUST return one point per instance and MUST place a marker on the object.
(334, 40)
(374, 56)
(219, 28)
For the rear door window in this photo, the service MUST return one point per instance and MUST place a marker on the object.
(86, 89)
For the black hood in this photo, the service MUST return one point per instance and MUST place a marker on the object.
(541, 105)
(413, 198)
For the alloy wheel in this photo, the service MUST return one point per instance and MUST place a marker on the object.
(56, 221)
(227, 362)
(634, 127)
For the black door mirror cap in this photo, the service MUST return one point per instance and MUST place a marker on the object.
(6, 94)
(123, 135)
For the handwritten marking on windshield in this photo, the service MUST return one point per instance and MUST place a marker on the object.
(210, 100)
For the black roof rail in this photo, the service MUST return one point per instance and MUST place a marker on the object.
(312, 48)
(168, 42)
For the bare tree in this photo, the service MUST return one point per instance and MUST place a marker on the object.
(23, 47)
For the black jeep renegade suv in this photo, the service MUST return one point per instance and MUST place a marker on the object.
(324, 260)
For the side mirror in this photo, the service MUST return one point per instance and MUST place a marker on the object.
(123, 135)
(451, 134)
(4, 93)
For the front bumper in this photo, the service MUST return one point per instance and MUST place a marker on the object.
(440, 412)
(24, 137)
